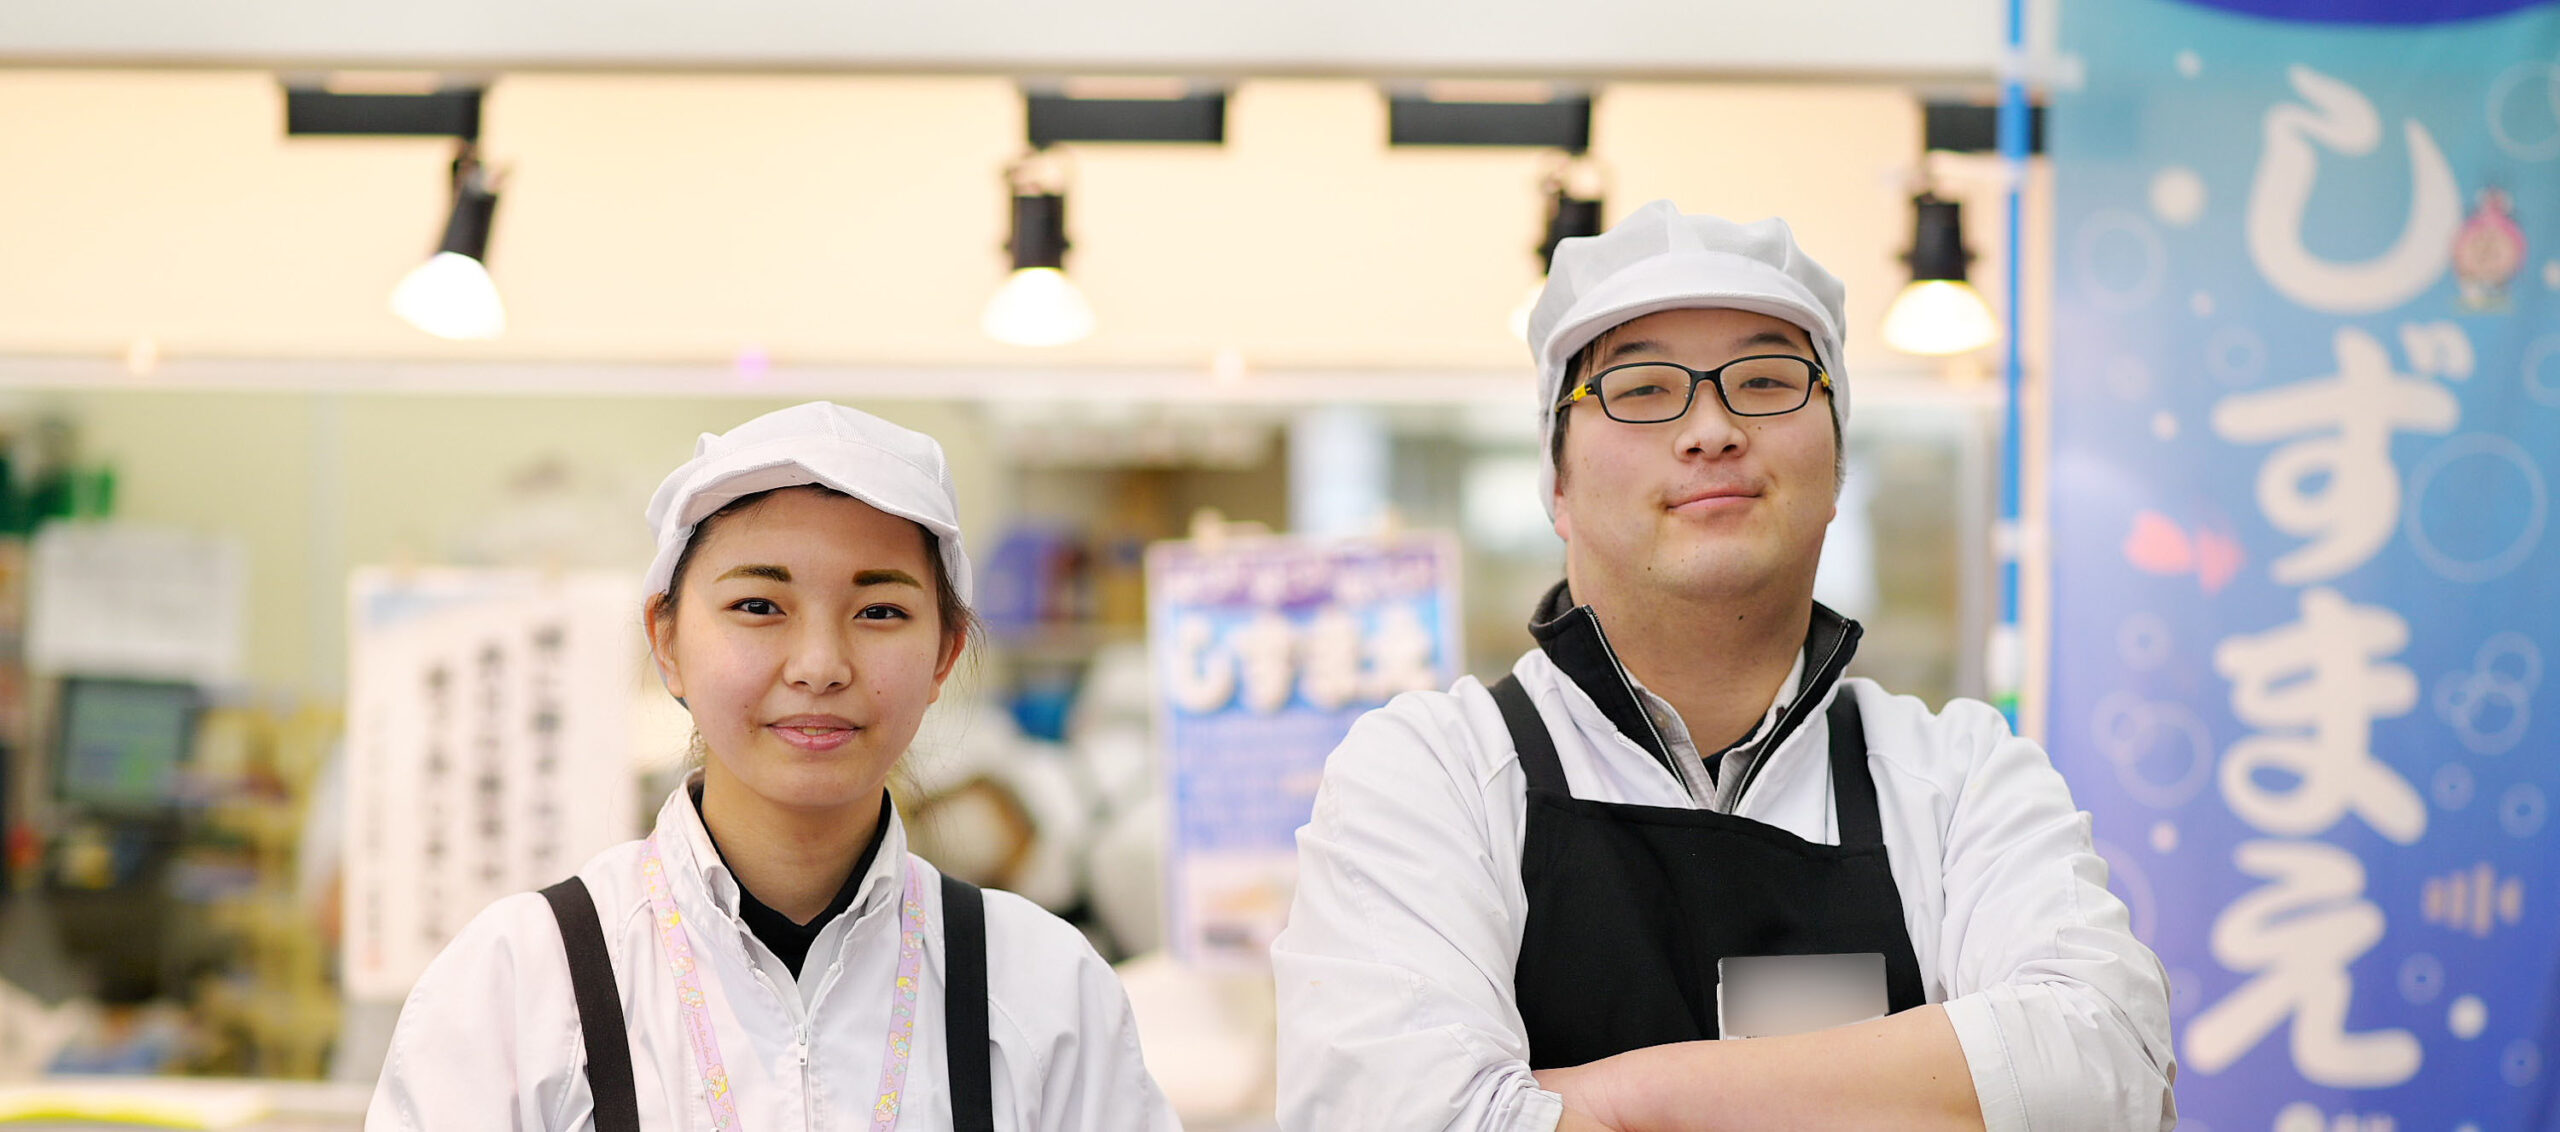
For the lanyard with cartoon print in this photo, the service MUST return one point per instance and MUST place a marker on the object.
(678, 949)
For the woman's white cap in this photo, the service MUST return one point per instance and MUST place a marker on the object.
(1659, 259)
(898, 470)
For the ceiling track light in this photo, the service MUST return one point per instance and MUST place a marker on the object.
(451, 294)
(1537, 116)
(1939, 313)
(1570, 215)
(1039, 304)
(1512, 116)
(319, 111)
(1166, 112)
(1965, 127)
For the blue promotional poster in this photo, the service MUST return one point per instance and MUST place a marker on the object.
(1265, 650)
(2306, 409)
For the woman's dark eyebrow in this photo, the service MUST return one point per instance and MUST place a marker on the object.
(862, 578)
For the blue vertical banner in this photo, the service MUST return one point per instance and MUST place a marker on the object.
(2306, 408)
(1265, 650)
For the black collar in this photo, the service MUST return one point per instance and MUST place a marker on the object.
(789, 940)
(1570, 635)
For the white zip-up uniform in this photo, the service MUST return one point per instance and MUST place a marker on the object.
(1394, 976)
(490, 1038)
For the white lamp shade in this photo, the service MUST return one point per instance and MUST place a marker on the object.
(450, 296)
(1939, 317)
(1038, 306)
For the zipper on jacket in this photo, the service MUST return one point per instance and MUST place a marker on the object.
(1826, 677)
(1618, 669)
(808, 1114)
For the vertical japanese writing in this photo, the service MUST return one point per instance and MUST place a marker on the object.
(2299, 934)
(543, 722)
(2337, 115)
(435, 804)
(370, 928)
(2334, 483)
(478, 702)
(488, 786)
(2311, 689)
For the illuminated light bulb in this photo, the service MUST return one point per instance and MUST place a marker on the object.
(450, 296)
(1038, 306)
(1938, 317)
(1939, 313)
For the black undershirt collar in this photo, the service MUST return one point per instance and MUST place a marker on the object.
(791, 941)
(1570, 635)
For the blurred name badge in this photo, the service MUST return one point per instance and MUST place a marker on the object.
(1768, 996)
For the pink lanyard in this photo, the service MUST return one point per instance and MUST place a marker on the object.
(697, 1013)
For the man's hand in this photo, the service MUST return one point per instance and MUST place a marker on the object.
(1585, 1089)
(1906, 1071)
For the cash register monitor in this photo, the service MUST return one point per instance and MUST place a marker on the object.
(122, 744)
(120, 748)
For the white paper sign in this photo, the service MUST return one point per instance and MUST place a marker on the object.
(118, 599)
(488, 749)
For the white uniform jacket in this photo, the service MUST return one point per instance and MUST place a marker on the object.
(1396, 1001)
(490, 1039)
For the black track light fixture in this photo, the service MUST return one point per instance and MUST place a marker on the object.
(1939, 312)
(1038, 305)
(1570, 215)
(451, 295)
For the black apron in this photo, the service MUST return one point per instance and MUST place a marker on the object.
(1631, 907)
(964, 1003)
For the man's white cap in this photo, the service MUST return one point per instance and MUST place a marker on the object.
(1659, 259)
(898, 470)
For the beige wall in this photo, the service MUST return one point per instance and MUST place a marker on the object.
(859, 220)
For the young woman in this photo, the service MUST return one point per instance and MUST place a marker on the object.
(771, 957)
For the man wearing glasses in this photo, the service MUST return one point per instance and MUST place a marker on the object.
(1536, 905)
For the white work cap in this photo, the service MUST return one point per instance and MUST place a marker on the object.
(898, 470)
(1658, 259)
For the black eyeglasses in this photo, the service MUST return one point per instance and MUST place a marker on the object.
(1762, 385)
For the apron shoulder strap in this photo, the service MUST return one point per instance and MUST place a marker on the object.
(964, 1005)
(1853, 785)
(1529, 738)
(599, 1007)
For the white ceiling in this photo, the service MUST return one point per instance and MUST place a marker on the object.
(1904, 40)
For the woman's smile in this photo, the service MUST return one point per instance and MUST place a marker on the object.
(814, 732)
